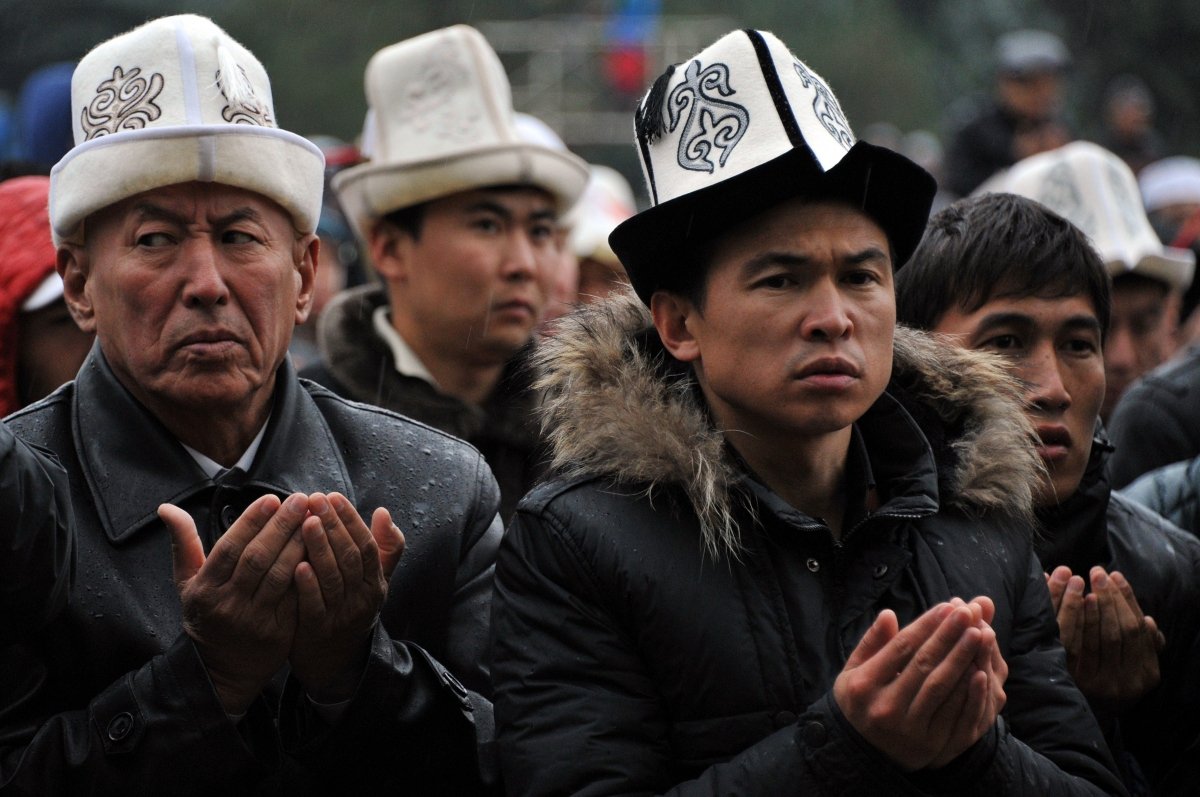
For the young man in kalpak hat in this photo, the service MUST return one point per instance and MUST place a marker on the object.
(789, 551)
(459, 212)
(235, 624)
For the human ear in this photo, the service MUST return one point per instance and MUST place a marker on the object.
(308, 250)
(391, 252)
(672, 317)
(72, 264)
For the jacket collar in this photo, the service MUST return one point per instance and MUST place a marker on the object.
(1075, 532)
(132, 463)
(964, 441)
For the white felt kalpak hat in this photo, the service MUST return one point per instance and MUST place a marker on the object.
(1170, 181)
(441, 122)
(1097, 192)
(173, 101)
(739, 128)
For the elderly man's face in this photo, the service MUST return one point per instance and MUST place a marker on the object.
(193, 291)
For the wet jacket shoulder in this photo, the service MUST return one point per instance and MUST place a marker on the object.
(358, 364)
(1172, 491)
(1162, 564)
(37, 548)
(1161, 732)
(663, 623)
(1155, 422)
(113, 695)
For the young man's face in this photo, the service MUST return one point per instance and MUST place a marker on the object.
(1140, 337)
(1054, 347)
(795, 336)
(476, 280)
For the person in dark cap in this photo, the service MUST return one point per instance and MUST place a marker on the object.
(787, 546)
(1022, 118)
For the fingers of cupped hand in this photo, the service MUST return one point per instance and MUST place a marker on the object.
(273, 543)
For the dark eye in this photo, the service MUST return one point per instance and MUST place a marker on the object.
(154, 239)
(1002, 343)
(542, 232)
(861, 278)
(237, 237)
(775, 281)
(486, 224)
(1081, 346)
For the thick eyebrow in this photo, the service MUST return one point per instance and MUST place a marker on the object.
(501, 210)
(149, 210)
(768, 260)
(1088, 323)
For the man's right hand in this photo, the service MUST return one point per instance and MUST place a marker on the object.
(923, 695)
(239, 602)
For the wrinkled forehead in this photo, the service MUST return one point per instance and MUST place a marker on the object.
(190, 204)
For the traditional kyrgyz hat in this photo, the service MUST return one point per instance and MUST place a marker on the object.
(739, 128)
(441, 122)
(173, 101)
(1096, 191)
(1170, 181)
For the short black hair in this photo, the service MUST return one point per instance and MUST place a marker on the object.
(998, 245)
(408, 219)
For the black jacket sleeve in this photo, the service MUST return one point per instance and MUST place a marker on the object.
(36, 552)
(159, 729)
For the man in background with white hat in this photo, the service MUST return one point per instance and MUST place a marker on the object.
(459, 211)
(235, 619)
(1158, 422)
(1004, 274)
(1097, 192)
(758, 572)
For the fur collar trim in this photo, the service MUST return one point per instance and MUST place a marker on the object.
(613, 407)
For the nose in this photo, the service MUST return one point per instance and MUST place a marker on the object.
(204, 285)
(1045, 389)
(825, 317)
(520, 257)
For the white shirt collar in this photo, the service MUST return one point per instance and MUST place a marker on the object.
(406, 360)
(212, 468)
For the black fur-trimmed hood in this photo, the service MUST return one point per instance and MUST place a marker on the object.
(613, 407)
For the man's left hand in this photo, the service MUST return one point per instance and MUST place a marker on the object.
(341, 586)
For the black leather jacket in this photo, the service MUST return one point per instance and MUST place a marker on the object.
(1162, 563)
(37, 543)
(111, 697)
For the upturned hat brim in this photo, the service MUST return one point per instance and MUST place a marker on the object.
(280, 165)
(895, 192)
(372, 190)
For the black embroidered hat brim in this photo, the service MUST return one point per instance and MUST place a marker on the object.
(885, 185)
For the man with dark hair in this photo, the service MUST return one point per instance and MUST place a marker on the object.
(787, 551)
(1096, 191)
(459, 213)
(1004, 274)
